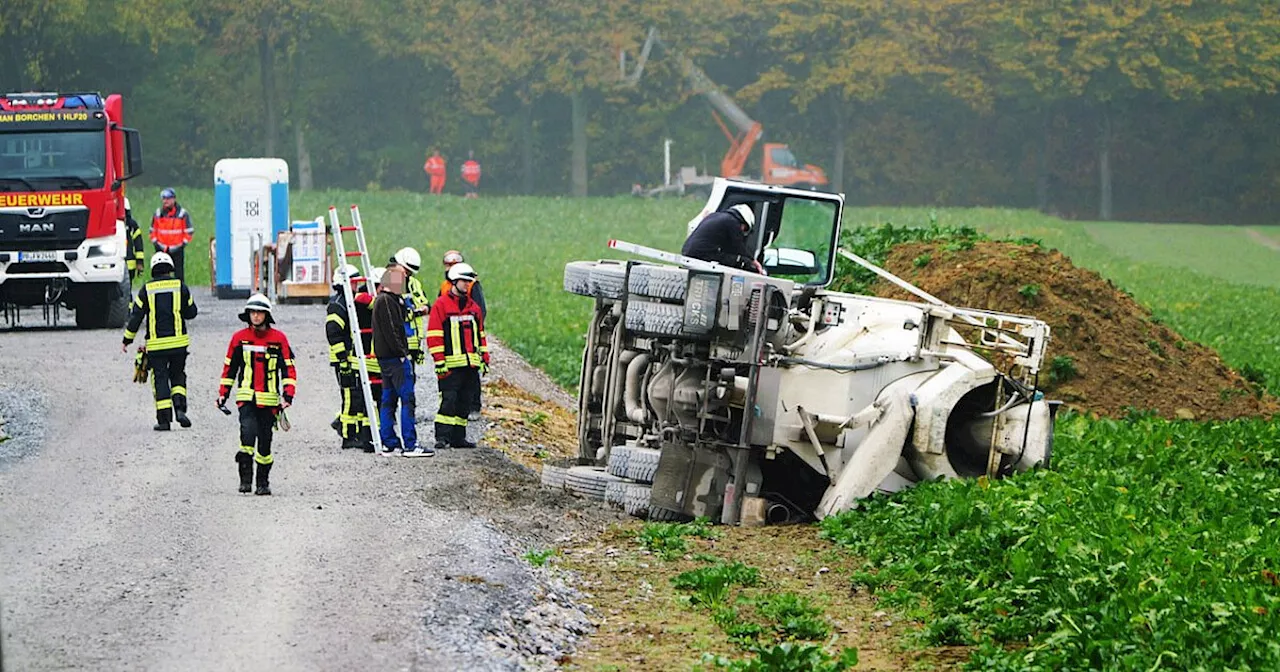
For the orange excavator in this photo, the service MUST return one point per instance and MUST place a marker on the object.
(778, 164)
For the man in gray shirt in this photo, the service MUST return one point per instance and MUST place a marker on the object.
(392, 347)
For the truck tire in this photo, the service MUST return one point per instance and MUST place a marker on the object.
(118, 309)
(608, 280)
(553, 477)
(588, 482)
(642, 464)
(666, 283)
(637, 500)
(638, 283)
(666, 319)
(93, 304)
(658, 513)
(615, 493)
(618, 456)
(577, 277)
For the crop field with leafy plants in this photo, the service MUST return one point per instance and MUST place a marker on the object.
(1150, 544)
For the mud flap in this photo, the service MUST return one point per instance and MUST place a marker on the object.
(876, 456)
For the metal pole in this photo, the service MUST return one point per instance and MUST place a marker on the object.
(666, 162)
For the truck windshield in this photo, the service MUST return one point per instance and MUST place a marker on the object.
(782, 156)
(52, 161)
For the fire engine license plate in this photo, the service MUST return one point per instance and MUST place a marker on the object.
(38, 256)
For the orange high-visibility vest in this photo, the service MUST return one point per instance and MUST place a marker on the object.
(172, 228)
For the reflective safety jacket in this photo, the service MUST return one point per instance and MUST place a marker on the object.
(263, 361)
(172, 228)
(455, 334)
(364, 316)
(337, 330)
(476, 293)
(415, 299)
(135, 256)
(166, 305)
(471, 171)
(434, 165)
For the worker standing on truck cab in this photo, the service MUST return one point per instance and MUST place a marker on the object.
(435, 168)
(722, 237)
(352, 422)
(415, 300)
(166, 304)
(471, 175)
(136, 255)
(456, 339)
(171, 230)
(260, 357)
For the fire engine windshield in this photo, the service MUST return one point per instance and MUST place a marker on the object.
(52, 160)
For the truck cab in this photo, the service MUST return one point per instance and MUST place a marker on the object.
(64, 159)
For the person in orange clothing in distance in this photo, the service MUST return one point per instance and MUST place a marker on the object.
(435, 169)
(471, 175)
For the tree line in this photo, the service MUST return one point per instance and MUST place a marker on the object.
(1143, 109)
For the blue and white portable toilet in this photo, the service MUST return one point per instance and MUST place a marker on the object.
(251, 208)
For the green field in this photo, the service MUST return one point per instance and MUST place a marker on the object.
(1152, 544)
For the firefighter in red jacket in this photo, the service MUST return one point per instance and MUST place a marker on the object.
(471, 175)
(260, 356)
(171, 230)
(435, 169)
(457, 343)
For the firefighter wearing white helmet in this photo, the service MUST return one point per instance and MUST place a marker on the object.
(164, 305)
(415, 299)
(352, 421)
(723, 237)
(259, 371)
(460, 350)
(476, 293)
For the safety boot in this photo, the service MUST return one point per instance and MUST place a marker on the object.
(245, 462)
(459, 438)
(181, 417)
(264, 480)
(162, 421)
(337, 426)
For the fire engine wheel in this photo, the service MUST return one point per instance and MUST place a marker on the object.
(642, 464)
(607, 279)
(118, 309)
(636, 502)
(577, 277)
(588, 482)
(615, 493)
(553, 477)
(666, 283)
(666, 319)
(618, 457)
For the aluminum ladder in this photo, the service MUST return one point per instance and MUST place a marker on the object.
(353, 321)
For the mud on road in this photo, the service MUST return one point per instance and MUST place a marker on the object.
(125, 548)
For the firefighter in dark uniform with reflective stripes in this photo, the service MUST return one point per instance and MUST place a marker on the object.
(166, 305)
(352, 422)
(135, 257)
(260, 357)
(457, 343)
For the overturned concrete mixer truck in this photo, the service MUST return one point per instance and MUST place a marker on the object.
(747, 398)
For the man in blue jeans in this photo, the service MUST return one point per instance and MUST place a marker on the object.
(392, 346)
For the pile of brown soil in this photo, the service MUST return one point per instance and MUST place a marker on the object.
(1122, 359)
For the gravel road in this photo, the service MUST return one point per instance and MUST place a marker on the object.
(123, 548)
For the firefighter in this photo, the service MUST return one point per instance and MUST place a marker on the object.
(166, 305)
(136, 255)
(259, 356)
(722, 237)
(171, 230)
(456, 340)
(352, 422)
(476, 292)
(415, 300)
(364, 317)
(435, 169)
(397, 369)
(471, 175)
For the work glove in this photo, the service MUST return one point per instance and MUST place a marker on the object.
(347, 376)
(417, 357)
(484, 369)
(441, 373)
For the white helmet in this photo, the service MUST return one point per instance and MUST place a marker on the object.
(409, 258)
(257, 302)
(377, 274)
(453, 257)
(748, 215)
(161, 259)
(345, 273)
(461, 271)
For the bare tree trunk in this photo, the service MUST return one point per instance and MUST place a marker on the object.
(267, 65)
(1042, 161)
(526, 148)
(304, 159)
(837, 166)
(579, 164)
(1104, 167)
